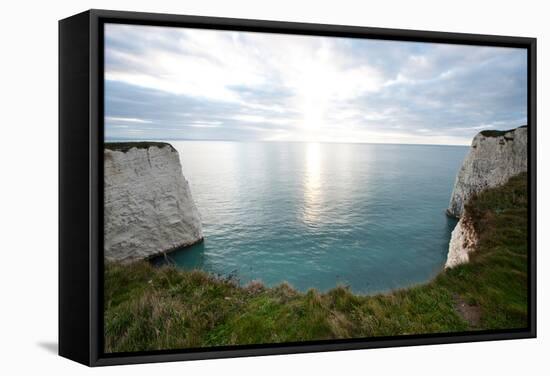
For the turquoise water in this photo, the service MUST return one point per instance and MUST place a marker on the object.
(369, 216)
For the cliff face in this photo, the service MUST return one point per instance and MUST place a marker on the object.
(494, 157)
(463, 241)
(148, 207)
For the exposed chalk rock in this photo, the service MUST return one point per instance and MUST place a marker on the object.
(494, 157)
(463, 241)
(148, 207)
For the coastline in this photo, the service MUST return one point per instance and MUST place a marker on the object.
(150, 308)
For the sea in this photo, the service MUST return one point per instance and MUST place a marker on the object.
(319, 215)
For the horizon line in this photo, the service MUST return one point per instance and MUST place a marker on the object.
(122, 139)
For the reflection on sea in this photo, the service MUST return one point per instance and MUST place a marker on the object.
(312, 184)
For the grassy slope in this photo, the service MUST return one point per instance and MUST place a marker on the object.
(162, 308)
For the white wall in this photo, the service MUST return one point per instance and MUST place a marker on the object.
(28, 129)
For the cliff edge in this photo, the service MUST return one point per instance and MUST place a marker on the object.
(494, 157)
(148, 207)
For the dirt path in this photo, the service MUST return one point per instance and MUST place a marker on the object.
(470, 313)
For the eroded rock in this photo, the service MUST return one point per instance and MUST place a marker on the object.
(148, 206)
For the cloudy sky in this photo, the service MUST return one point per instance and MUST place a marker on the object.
(174, 83)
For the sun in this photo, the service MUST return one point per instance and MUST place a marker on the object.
(313, 93)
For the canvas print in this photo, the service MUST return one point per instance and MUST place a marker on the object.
(264, 188)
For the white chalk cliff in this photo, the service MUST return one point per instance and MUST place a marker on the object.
(463, 241)
(148, 207)
(494, 157)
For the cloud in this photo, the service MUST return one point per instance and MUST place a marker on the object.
(176, 83)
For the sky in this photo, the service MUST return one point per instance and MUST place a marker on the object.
(164, 83)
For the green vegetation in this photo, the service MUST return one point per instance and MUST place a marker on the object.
(125, 146)
(495, 133)
(148, 308)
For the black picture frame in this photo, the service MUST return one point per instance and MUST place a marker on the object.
(81, 185)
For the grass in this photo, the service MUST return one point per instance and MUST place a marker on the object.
(125, 146)
(151, 308)
(496, 133)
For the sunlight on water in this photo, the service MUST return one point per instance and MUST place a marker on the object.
(312, 184)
